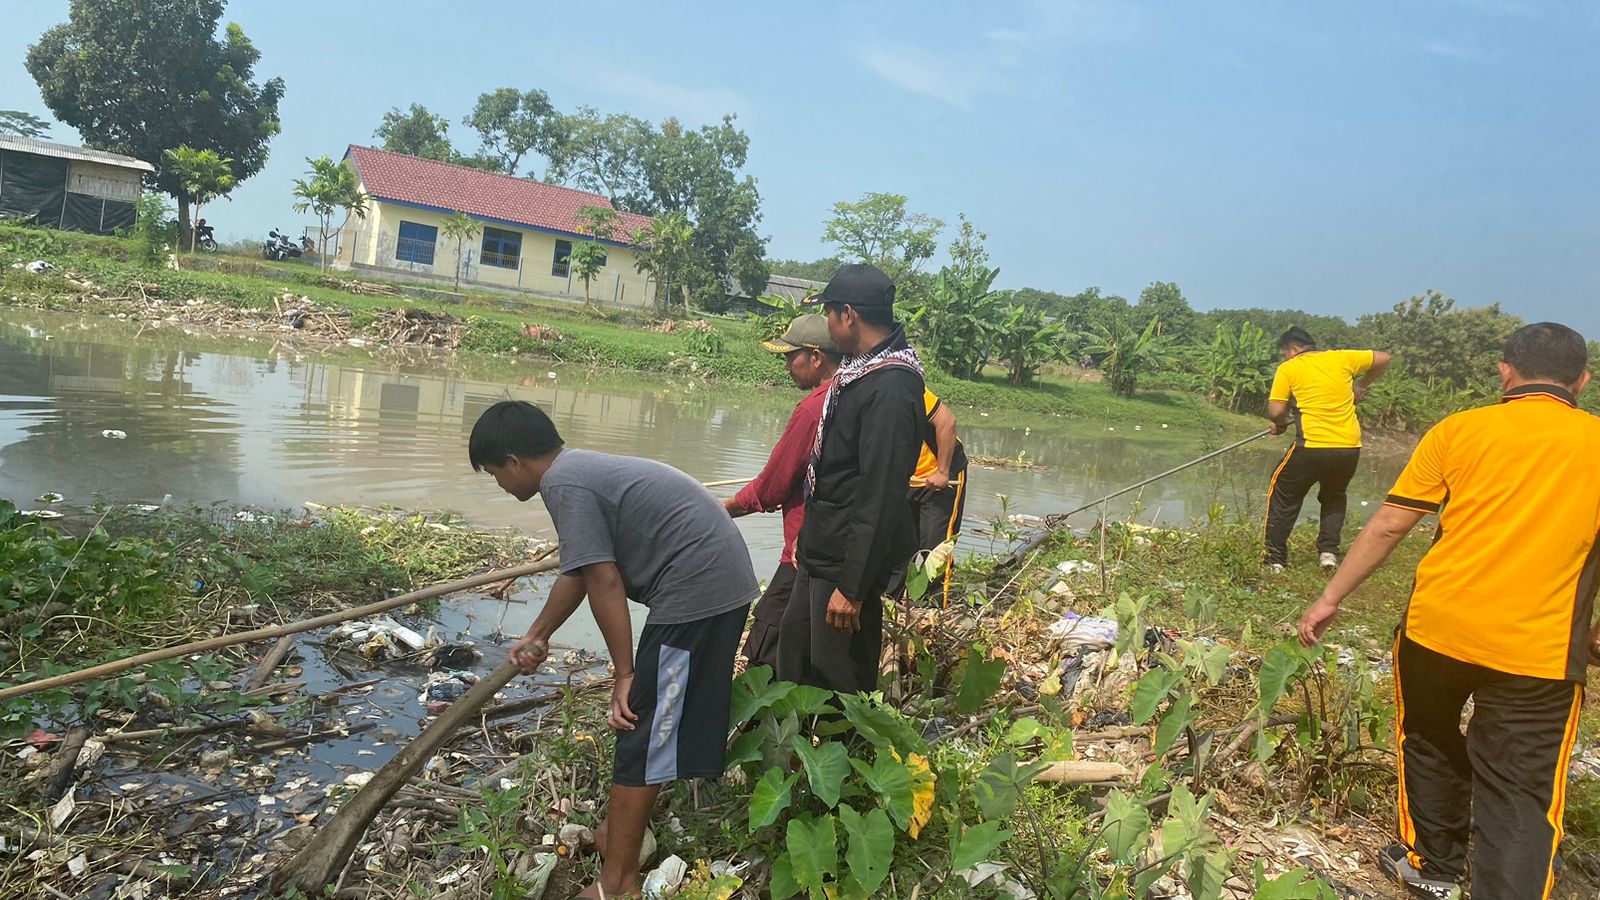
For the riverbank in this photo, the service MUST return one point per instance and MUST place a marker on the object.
(1125, 702)
(94, 275)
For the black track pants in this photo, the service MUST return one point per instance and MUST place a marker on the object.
(1502, 784)
(1330, 468)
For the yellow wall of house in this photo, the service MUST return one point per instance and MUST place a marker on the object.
(375, 241)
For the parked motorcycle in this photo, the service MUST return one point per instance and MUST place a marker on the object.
(205, 237)
(279, 247)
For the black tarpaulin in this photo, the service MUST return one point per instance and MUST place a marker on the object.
(83, 213)
(32, 188)
(119, 215)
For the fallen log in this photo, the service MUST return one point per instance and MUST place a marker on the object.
(320, 861)
(1081, 771)
(270, 662)
(545, 564)
(62, 768)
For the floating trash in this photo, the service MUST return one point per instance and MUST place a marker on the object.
(40, 514)
(114, 434)
(49, 497)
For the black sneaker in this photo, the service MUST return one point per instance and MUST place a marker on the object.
(1395, 862)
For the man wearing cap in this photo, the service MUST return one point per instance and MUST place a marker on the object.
(857, 524)
(1499, 617)
(811, 357)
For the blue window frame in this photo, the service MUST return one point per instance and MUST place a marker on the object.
(501, 249)
(416, 243)
(561, 264)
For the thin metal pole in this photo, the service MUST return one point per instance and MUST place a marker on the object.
(1054, 520)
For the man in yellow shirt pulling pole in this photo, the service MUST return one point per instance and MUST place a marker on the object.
(1500, 614)
(1322, 386)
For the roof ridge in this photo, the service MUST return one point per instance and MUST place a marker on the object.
(514, 178)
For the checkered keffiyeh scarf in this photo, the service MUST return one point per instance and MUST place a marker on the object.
(892, 352)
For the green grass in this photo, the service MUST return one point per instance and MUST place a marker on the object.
(494, 327)
(1222, 560)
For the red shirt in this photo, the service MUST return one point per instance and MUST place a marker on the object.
(782, 482)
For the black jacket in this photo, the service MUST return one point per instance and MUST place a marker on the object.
(858, 527)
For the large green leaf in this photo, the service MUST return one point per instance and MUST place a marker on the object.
(1024, 730)
(1207, 874)
(999, 785)
(826, 767)
(1178, 718)
(871, 846)
(783, 885)
(1150, 691)
(1277, 671)
(881, 726)
(980, 681)
(975, 845)
(770, 798)
(805, 700)
(813, 851)
(1295, 884)
(746, 748)
(777, 732)
(1210, 660)
(753, 692)
(892, 781)
(1127, 827)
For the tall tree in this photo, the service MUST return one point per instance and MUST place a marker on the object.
(460, 227)
(1437, 343)
(606, 156)
(1163, 300)
(416, 132)
(814, 270)
(513, 124)
(204, 175)
(22, 124)
(141, 77)
(696, 171)
(877, 229)
(669, 252)
(331, 187)
(588, 257)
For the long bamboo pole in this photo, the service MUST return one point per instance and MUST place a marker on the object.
(320, 861)
(546, 564)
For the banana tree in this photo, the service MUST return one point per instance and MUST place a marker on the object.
(1127, 355)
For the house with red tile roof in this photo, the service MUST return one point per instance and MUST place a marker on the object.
(527, 230)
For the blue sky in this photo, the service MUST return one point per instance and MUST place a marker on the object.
(1333, 157)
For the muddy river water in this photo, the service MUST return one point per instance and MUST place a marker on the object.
(260, 422)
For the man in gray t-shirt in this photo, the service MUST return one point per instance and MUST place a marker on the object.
(640, 529)
(676, 548)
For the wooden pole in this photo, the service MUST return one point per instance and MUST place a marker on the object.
(320, 861)
(729, 483)
(278, 631)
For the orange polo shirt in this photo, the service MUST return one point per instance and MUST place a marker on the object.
(1510, 582)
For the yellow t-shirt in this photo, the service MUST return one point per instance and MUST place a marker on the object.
(1510, 582)
(1321, 385)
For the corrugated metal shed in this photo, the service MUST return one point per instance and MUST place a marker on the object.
(67, 151)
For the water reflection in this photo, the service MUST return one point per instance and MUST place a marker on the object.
(265, 424)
